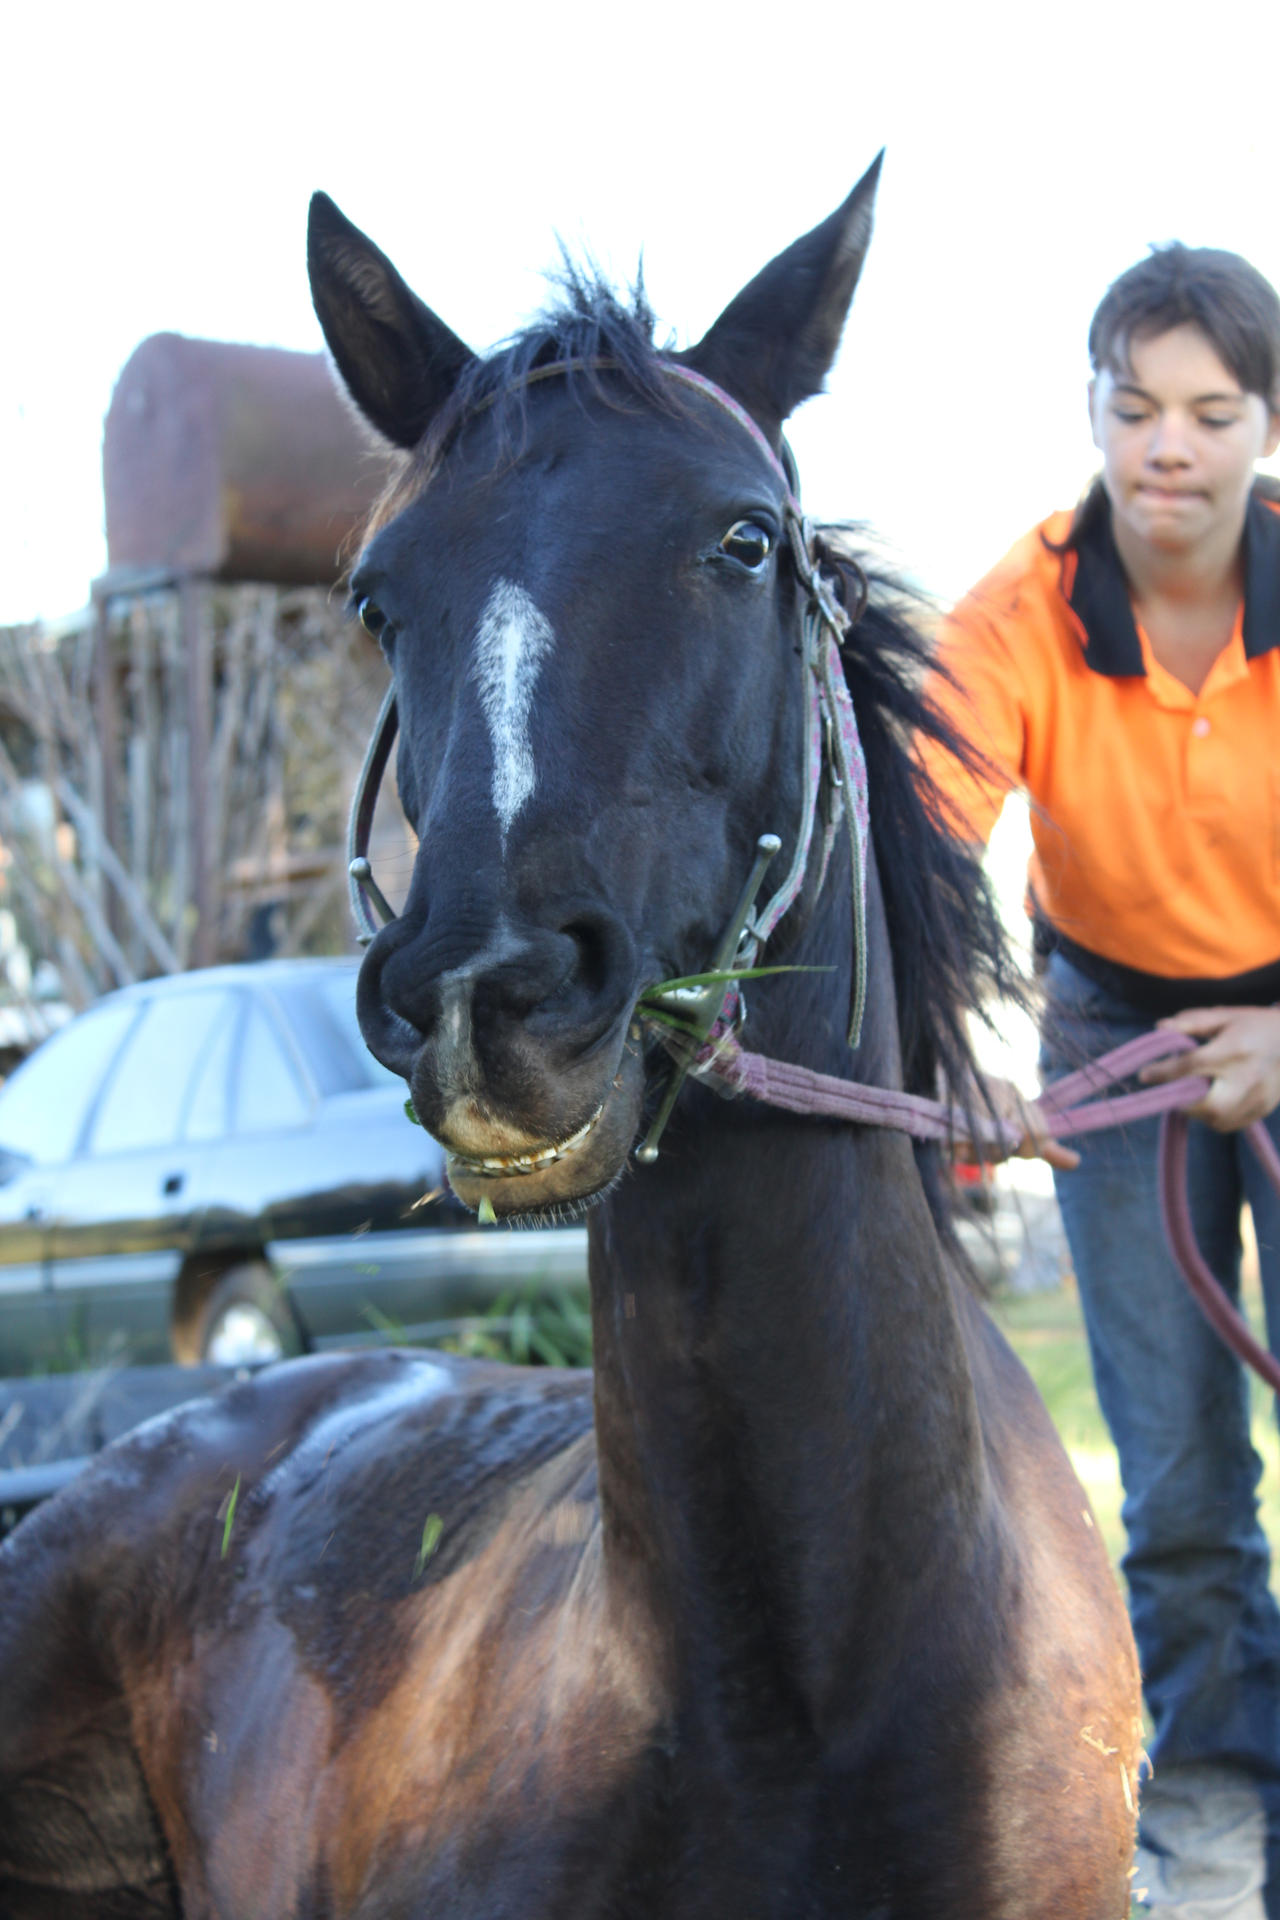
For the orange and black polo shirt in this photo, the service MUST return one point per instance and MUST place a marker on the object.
(1155, 811)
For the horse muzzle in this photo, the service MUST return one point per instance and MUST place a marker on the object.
(521, 1059)
(558, 1173)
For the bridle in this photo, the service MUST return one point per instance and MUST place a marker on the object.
(834, 783)
(835, 791)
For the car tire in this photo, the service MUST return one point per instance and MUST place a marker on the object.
(245, 1320)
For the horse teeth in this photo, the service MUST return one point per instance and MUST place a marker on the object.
(527, 1162)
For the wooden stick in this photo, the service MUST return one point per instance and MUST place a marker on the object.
(87, 827)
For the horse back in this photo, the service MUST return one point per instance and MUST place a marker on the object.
(271, 1641)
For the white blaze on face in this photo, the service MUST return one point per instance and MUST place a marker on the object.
(512, 641)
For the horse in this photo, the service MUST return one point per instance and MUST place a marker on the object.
(792, 1607)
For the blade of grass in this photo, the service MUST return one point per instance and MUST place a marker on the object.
(661, 1018)
(682, 981)
(433, 1527)
(229, 1517)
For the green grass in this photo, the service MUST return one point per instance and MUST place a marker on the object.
(533, 1326)
(1047, 1332)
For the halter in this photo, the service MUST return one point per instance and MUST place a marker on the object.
(834, 785)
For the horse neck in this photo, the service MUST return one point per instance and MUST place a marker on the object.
(784, 1411)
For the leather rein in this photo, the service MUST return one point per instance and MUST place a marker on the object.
(711, 1013)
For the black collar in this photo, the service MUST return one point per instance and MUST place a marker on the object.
(1100, 592)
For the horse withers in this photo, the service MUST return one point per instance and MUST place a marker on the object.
(797, 1608)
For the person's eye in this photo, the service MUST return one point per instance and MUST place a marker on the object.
(1131, 416)
(1217, 419)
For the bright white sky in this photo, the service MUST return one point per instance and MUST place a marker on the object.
(158, 162)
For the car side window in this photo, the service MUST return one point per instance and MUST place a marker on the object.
(43, 1104)
(339, 992)
(208, 1114)
(268, 1092)
(332, 1064)
(144, 1097)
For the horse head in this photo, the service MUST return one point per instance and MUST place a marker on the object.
(582, 583)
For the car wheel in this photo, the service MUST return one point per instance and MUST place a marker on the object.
(245, 1320)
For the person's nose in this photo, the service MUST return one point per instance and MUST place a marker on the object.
(1168, 445)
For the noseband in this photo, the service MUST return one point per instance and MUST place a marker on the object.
(834, 783)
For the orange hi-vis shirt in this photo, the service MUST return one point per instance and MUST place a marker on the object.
(1155, 811)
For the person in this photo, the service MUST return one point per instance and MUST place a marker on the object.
(1122, 666)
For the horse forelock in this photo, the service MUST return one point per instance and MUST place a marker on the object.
(587, 323)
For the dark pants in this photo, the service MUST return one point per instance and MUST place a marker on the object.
(1176, 1401)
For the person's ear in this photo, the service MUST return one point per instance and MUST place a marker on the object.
(1272, 440)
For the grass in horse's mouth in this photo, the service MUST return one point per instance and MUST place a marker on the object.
(654, 1002)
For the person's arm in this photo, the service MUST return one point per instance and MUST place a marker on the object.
(1240, 1055)
(977, 689)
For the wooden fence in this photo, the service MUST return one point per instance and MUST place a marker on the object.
(174, 777)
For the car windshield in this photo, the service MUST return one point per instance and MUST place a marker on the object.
(43, 1105)
(145, 1092)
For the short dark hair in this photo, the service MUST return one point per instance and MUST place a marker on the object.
(1236, 309)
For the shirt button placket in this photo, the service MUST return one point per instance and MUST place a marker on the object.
(1199, 760)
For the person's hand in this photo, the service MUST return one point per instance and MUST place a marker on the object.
(1240, 1055)
(1036, 1142)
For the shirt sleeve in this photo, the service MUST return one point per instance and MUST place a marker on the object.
(979, 692)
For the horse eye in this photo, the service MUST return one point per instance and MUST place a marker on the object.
(374, 620)
(748, 543)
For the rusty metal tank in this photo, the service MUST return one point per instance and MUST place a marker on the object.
(236, 462)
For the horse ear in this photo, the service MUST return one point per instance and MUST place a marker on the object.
(772, 346)
(398, 361)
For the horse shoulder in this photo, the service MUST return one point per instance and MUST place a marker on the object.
(521, 1715)
(439, 1656)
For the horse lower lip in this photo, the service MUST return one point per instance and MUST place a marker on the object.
(503, 1165)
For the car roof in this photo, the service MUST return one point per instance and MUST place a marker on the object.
(241, 973)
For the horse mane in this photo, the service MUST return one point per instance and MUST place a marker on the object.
(950, 952)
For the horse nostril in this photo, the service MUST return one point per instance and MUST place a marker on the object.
(604, 960)
(566, 983)
(593, 947)
(390, 1037)
(393, 1040)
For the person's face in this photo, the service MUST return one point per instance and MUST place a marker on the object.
(1179, 438)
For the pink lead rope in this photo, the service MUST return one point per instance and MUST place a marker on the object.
(1077, 1103)
(1180, 1234)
